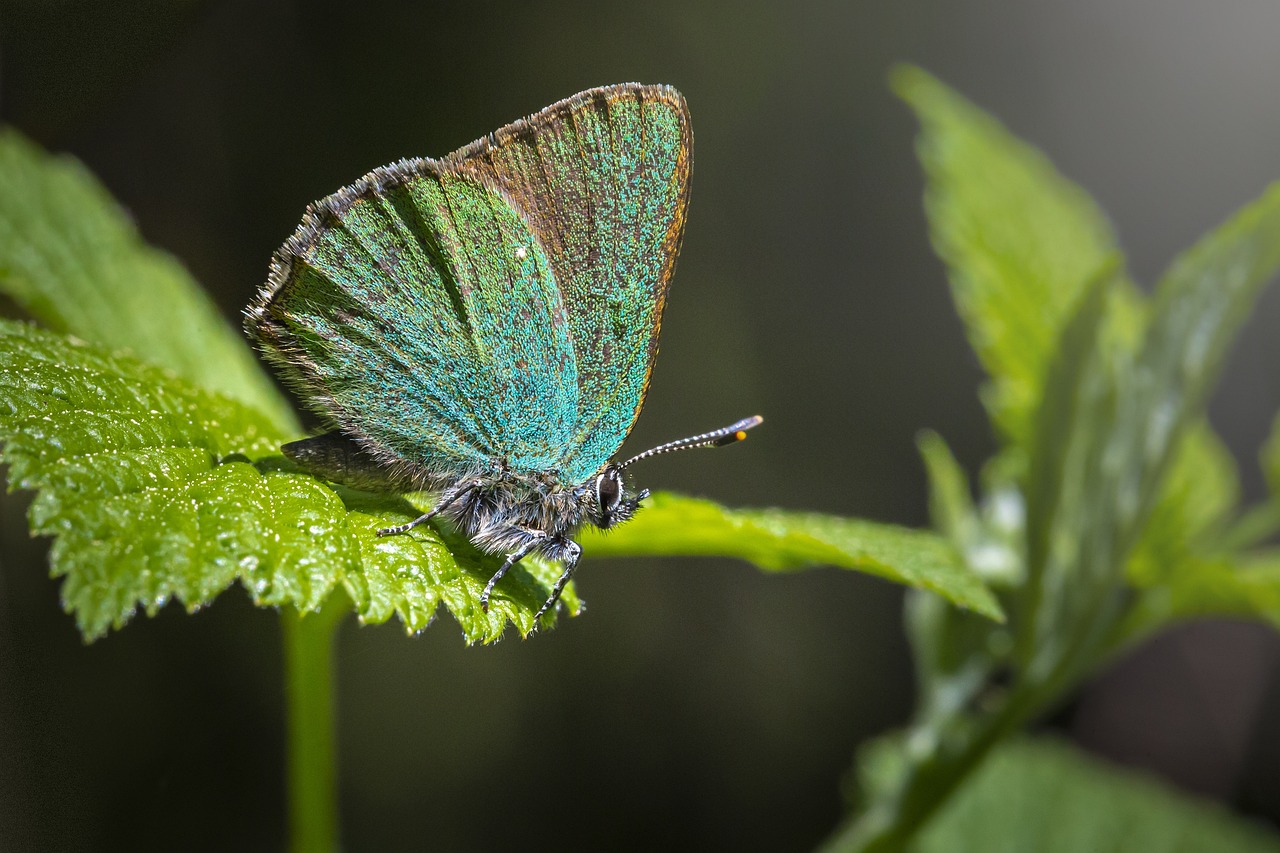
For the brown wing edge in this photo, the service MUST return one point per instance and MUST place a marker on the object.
(473, 159)
(403, 170)
(269, 337)
(315, 220)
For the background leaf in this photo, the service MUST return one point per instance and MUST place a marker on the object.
(1106, 473)
(70, 257)
(1201, 302)
(1019, 240)
(1245, 585)
(1199, 497)
(1188, 562)
(1099, 397)
(951, 506)
(1048, 797)
(955, 652)
(1071, 523)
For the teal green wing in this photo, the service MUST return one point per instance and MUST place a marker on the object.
(418, 313)
(603, 179)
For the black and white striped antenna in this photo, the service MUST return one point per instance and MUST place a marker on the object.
(715, 438)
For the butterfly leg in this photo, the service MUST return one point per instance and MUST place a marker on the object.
(447, 499)
(570, 552)
(536, 538)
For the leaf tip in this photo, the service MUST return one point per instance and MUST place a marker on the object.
(911, 83)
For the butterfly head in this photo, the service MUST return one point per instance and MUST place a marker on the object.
(610, 503)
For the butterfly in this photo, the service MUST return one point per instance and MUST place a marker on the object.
(483, 326)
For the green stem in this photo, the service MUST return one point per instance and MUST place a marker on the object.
(890, 823)
(312, 773)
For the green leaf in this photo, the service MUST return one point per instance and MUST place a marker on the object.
(1270, 458)
(1019, 240)
(950, 501)
(409, 576)
(156, 490)
(955, 652)
(1225, 585)
(1197, 498)
(1048, 797)
(72, 260)
(989, 537)
(1189, 562)
(1107, 442)
(1070, 524)
(777, 540)
(1201, 302)
(1113, 455)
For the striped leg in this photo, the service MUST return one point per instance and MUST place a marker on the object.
(536, 538)
(572, 551)
(447, 499)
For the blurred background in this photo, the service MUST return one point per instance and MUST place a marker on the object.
(698, 704)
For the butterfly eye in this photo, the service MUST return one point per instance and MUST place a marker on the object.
(609, 490)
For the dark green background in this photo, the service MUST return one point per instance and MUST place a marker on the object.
(699, 704)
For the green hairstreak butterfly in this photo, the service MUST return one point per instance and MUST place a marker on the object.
(483, 326)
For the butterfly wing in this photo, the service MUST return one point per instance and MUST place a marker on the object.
(603, 179)
(417, 311)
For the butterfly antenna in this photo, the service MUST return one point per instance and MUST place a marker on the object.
(715, 438)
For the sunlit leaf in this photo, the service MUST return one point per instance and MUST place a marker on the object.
(157, 490)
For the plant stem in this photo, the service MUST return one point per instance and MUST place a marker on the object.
(891, 822)
(312, 768)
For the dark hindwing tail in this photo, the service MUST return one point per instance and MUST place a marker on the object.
(340, 459)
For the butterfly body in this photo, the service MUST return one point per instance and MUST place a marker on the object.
(483, 326)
